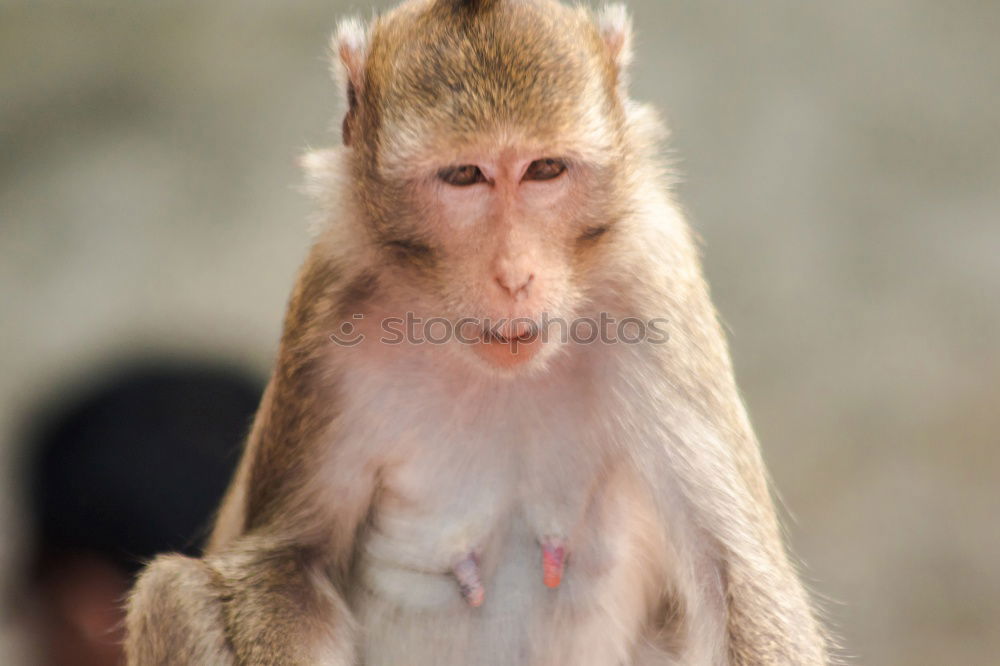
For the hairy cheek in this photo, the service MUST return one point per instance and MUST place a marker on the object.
(460, 207)
(558, 296)
(550, 194)
(558, 208)
(554, 208)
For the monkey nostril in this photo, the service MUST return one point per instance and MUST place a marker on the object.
(503, 285)
(523, 289)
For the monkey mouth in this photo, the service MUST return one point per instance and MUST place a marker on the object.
(509, 346)
(513, 339)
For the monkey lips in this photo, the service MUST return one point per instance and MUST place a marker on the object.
(509, 346)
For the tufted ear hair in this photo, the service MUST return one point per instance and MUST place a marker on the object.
(615, 26)
(350, 49)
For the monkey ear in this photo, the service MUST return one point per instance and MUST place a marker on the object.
(615, 27)
(350, 48)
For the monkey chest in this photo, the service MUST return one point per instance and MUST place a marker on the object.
(500, 553)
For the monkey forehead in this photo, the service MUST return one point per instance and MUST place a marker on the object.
(533, 69)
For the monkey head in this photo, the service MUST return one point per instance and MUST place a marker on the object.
(486, 144)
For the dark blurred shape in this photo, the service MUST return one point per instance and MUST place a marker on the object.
(136, 467)
(120, 472)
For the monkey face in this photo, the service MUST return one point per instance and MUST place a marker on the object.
(488, 165)
(495, 236)
(503, 220)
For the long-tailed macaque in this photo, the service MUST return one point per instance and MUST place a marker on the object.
(502, 428)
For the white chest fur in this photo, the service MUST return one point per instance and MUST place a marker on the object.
(494, 467)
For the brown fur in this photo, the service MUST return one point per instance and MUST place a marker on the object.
(673, 465)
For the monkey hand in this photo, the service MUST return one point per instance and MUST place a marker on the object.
(553, 561)
(469, 580)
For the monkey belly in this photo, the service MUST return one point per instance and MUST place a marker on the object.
(414, 614)
(480, 472)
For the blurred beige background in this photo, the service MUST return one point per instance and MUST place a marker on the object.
(841, 161)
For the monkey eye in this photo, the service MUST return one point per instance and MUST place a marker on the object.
(462, 176)
(546, 169)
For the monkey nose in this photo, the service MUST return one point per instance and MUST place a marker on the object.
(515, 287)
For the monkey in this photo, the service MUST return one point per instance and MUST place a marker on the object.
(524, 490)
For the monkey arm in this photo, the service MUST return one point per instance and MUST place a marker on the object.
(259, 602)
(735, 586)
(768, 616)
(267, 591)
(711, 478)
(771, 620)
(266, 597)
(175, 616)
(280, 605)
